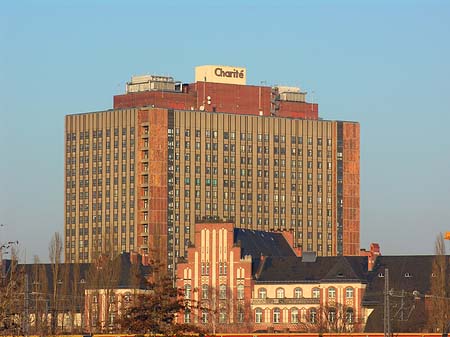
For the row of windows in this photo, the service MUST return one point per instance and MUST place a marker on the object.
(298, 293)
(311, 316)
(98, 230)
(206, 291)
(232, 148)
(99, 194)
(248, 136)
(98, 158)
(97, 134)
(99, 145)
(99, 182)
(84, 219)
(85, 243)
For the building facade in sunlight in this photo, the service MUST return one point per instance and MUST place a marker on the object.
(138, 176)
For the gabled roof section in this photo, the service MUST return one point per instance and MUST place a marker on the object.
(348, 268)
(259, 243)
(408, 273)
(329, 268)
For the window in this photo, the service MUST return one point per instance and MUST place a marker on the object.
(223, 292)
(349, 292)
(315, 293)
(205, 290)
(222, 316)
(280, 293)
(276, 315)
(262, 293)
(349, 317)
(298, 293)
(312, 315)
(258, 315)
(187, 291)
(240, 291)
(204, 316)
(331, 315)
(331, 293)
(240, 314)
(187, 316)
(294, 315)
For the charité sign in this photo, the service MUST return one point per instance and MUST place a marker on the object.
(221, 74)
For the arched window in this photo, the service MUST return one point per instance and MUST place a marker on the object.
(127, 297)
(331, 315)
(315, 293)
(294, 315)
(187, 291)
(258, 315)
(187, 316)
(280, 293)
(222, 316)
(298, 293)
(240, 291)
(262, 293)
(313, 315)
(276, 315)
(204, 316)
(331, 292)
(349, 292)
(223, 292)
(205, 291)
(240, 314)
(349, 317)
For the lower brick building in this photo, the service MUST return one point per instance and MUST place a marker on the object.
(217, 276)
(240, 279)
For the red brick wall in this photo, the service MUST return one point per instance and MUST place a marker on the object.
(351, 195)
(229, 98)
(157, 122)
(232, 98)
(298, 110)
(213, 278)
(160, 99)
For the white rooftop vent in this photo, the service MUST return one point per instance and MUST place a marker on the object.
(150, 82)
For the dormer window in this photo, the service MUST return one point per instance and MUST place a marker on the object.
(380, 274)
(408, 275)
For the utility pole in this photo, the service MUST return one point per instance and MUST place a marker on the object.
(26, 311)
(387, 314)
(402, 305)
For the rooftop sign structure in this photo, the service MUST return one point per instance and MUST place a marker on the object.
(221, 74)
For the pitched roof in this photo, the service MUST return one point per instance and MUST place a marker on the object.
(257, 243)
(324, 269)
(410, 273)
(406, 273)
(124, 279)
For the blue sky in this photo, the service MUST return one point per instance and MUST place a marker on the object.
(385, 64)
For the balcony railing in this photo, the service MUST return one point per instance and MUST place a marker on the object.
(301, 300)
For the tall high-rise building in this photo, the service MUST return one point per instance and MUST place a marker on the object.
(139, 176)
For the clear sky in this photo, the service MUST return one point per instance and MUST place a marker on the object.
(385, 64)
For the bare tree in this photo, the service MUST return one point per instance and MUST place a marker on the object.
(11, 305)
(39, 297)
(103, 279)
(439, 306)
(55, 252)
(337, 318)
